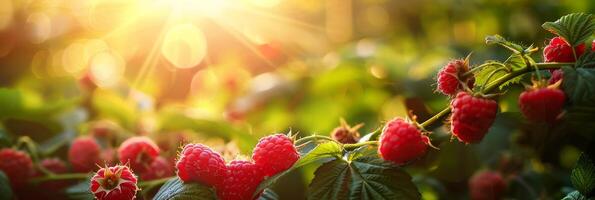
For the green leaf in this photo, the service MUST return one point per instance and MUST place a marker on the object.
(177, 190)
(80, 191)
(579, 85)
(575, 28)
(366, 177)
(586, 61)
(490, 68)
(268, 194)
(583, 175)
(5, 190)
(575, 195)
(5, 138)
(499, 40)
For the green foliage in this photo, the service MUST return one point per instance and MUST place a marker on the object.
(366, 177)
(586, 61)
(5, 190)
(579, 85)
(575, 195)
(583, 175)
(80, 191)
(268, 194)
(5, 138)
(574, 28)
(499, 40)
(175, 189)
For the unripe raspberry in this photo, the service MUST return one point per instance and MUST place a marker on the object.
(160, 168)
(451, 76)
(472, 117)
(275, 153)
(486, 185)
(139, 152)
(241, 181)
(402, 142)
(542, 104)
(346, 134)
(17, 165)
(201, 164)
(114, 183)
(84, 154)
(558, 50)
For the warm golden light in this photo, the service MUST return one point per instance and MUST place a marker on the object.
(184, 46)
(6, 13)
(39, 26)
(106, 69)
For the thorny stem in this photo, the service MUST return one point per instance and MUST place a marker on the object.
(357, 145)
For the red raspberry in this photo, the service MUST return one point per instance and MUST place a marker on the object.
(556, 76)
(243, 177)
(84, 154)
(593, 45)
(275, 153)
(451, 76)
(114, 183)
(200, 163)
(486, 185)
(346, 134)
(401, 142)
(139, 152)
(160, 168)
(56, 166)
(559, 50)
(542, 104)
(472, 117)
(17, 165)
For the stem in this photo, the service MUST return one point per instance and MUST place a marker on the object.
(59, 177)
(436, 117)
(153, 183)
(356, 145)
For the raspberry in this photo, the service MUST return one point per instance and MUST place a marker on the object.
(241, 181)
(139, 152)
(593, 45)
(346, 134)
(556, 76)
(486, 185)
(559, 50)
(275, 153)
(542, 104)
(84, 154)
(160, 168)
(199, 163)
(471, 117)
(114, 183)
(17, 165)
(451, 76)
(56, 166)
(401, 142)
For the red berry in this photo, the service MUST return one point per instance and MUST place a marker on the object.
(56, 166)
(401, 142)
(472, 117)
(84, 154)
(346, 134)
(114, 183)
(451, 76)
(199, 163)
(17, 165)
(542, 104)
(139, 152)
(559, 50)
(275, 153)
(556, 76)
(486, 185)
(243, 177)
(160, 168)
(593, 45)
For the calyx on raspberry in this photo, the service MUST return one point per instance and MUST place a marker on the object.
(242, 179)
(486, 185)
(472, 117)
(17, 165)
(346, 134)
(542, 102)
(452, 76)
(275, 153)
(199, 163)
(84, 154)
(401, 142)
(139, 152)
(558, 50)
(117, 182)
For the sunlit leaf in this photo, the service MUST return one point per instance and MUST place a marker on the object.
(583, 175)
(497, 39)
(575, 28)
(175, 189)
(579, 85)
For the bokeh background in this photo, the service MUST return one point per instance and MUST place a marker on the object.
(228, 72)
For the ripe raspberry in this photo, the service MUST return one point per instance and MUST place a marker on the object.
(84, 154)
(401, 142)
(346, 134)
(243, 177)
(542, 104)
(199, 163)
(486, 185)
(471, 117)
(114, 183)
(160, 168)
(593, 45)
(451, 76)
(556, 76)
(139, 152)
(559, 50)
(275, 153)
(17, 165)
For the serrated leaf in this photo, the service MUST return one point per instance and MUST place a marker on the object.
(579, 85)
(586, 61)
(583, 175)
(5, 190)
(175, 189)
(366, 177)
(575, 28)
(499, 40)
(491, 68)
(268, 194)
(575, 195)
